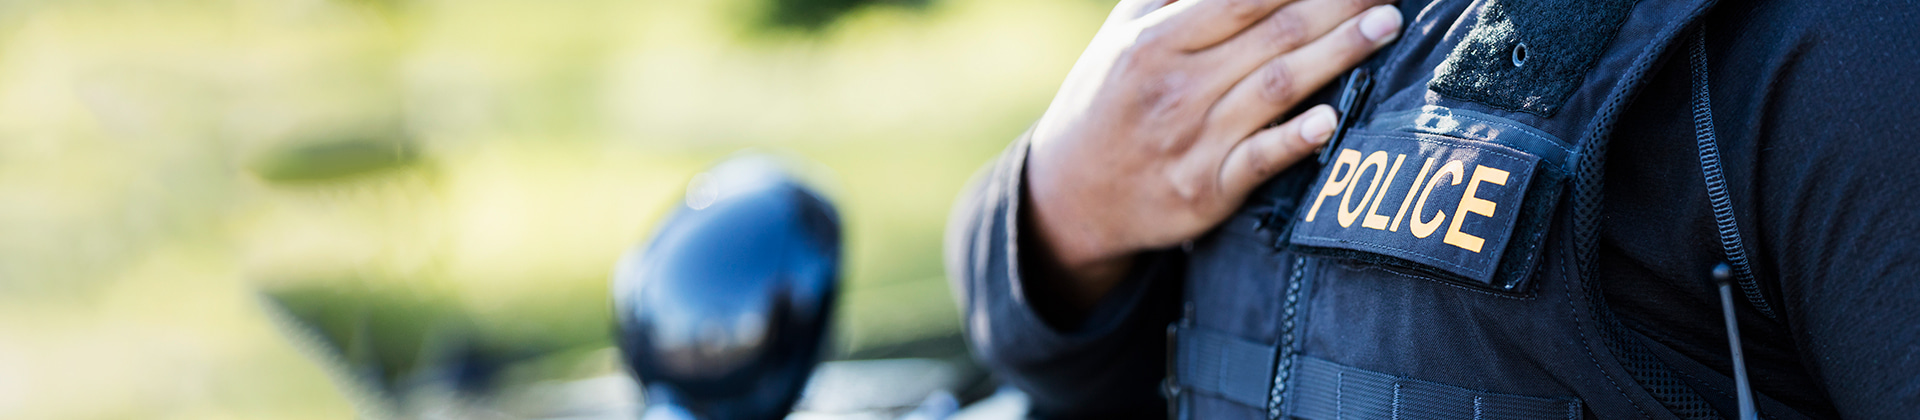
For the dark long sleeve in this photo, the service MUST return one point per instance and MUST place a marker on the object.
(1838, 193)
(1812, 102)
(1107, 365)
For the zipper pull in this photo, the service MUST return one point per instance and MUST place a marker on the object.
(1352, 101)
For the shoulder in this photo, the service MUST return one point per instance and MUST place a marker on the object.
(1805, 53)
(1823, 93)
(1813, 105)
(1821, 96)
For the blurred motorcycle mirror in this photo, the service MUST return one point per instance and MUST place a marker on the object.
(722, 314)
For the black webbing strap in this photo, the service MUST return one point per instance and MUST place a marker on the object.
(1218, 364)
(1324, 390)
(1222, 365)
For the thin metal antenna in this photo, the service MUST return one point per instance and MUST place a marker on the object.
(1723, 277)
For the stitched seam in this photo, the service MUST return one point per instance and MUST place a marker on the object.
(1396, 400)
(1458, 114)
(1472, 272)
(1423, 137)
(1521, 130)
(1581, 328)
(1390, 271)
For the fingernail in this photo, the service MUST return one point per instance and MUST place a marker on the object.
(1318, 125)
(1380, 24)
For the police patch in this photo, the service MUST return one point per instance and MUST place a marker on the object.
(1443, 205)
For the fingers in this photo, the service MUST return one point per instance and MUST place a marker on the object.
(1269, 151)
(1284, 30)
(1197, 24)
(1283, 81)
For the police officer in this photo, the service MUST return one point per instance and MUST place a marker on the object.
(1520, 209)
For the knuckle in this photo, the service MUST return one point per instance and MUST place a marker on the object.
(1253, 161)
(1276, 84)
(1178, 191)
(1188, 188)
(1286, 30)
(1263, 166)
(1149, 37)
(1136, 57)
(1168, 145)
(1191, 195)
(1244, 10)
(1166, 96)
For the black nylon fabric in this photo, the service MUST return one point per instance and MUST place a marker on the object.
(1408, 325)
(1812, 108)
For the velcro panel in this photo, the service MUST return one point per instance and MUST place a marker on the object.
(1530, 55)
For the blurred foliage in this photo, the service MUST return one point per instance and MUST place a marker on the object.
(333, 158)
(817, 14)
(199, 198)
(387, 335)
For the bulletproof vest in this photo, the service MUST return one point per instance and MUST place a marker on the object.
(1436, 262)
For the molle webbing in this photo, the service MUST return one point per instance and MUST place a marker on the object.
(1217, 364)
(1328, 390)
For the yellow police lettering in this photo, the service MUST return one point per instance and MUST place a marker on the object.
(1336, 183)
(1348, 211)
(1454, 171)
(1411, 190)
(1471, 204)
(1374, 220)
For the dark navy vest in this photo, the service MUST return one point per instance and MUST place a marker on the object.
(1436, 263)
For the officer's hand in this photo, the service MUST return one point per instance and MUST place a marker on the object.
(1158, 132)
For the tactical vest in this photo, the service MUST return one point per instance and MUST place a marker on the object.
(1437, 262)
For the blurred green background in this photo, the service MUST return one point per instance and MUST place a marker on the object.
(176, 175)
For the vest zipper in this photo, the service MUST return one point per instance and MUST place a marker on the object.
(1717, 181)
(1289, 317)
(1736, 268)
